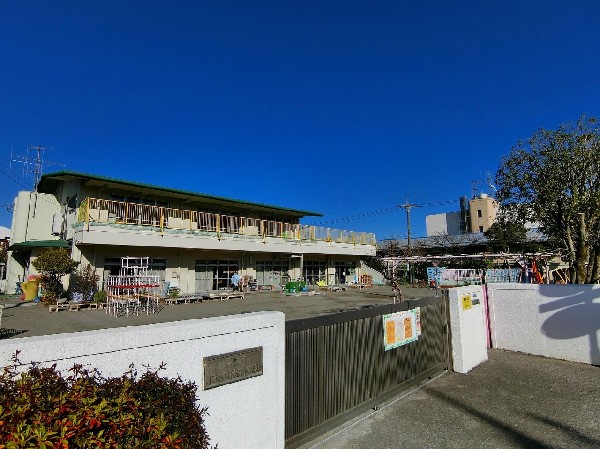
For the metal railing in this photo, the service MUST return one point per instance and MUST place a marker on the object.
(96, 210)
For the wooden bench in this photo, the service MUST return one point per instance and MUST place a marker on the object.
(236, 296)
(224, 295)
(186, 298)
(60, 305)
(360, 286)
(76, 306)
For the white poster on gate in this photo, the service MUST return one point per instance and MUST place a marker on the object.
(401, 328)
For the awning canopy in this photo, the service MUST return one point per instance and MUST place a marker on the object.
(39, 244)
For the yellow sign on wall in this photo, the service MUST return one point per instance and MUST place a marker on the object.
(467, 301)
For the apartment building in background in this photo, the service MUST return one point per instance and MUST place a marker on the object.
(475, 216)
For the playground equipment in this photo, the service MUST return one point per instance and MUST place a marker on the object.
(133, 290)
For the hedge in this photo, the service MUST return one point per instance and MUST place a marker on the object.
(41, 408)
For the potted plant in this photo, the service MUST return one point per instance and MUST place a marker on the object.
(100, 297)
(84, 285)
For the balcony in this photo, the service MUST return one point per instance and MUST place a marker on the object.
(195, 226)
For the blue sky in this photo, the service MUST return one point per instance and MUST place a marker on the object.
(346, 108)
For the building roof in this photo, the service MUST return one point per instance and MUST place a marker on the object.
(39, 244)
(49, 181)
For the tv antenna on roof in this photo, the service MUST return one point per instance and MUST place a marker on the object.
(34, 164)
(489, 182)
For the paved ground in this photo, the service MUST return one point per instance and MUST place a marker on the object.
(511, 401)
(21, 319)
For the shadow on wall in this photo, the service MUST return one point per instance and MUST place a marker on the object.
(577, 315)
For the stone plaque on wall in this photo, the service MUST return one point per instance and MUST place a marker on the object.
(232, 367)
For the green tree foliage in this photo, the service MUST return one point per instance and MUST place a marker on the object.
(504, 235)
(85, 281)
(554, 179)
(43, 409)
(53, 263)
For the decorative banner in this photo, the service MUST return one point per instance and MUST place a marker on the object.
(502, 275)
(401, 328)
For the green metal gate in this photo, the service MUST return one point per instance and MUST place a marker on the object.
(337, 368)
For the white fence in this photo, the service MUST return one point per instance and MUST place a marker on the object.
(558, 321)
(247, 413)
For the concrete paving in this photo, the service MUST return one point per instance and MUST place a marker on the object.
(513, 400)
(25, 319)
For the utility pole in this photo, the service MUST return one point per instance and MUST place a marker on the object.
(407, 207)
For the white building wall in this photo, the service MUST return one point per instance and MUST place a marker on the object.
(436, 224)
(558, 321)
(32, 220)
(106, 235)
(467, 321)
(443, 224)
(246, 414)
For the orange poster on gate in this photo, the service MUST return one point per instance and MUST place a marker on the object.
(408, 333)
(390, 332)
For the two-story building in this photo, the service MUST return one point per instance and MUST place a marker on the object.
(194, 241)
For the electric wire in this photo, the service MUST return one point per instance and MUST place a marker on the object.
(377, 213)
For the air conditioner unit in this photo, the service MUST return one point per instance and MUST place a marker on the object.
(57, 224)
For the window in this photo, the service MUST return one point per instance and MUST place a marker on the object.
(215, 274)
(345, 272)
(272, 272)
(314, 271)
(479, 214)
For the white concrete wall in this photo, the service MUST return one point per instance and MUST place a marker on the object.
(32, 217)
(32, 220)
(467, 322)
(247, 414)
(443, 224)
(436, 224)
(558, 321)
(106, 235)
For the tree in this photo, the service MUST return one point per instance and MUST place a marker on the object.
(505, 234)
(85, 282)
(554, 179)
(53, 263)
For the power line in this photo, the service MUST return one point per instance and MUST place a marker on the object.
(377, 213)
(35, 165)
(20, 181)
(9, 207)
(370, 214)
(13, 176)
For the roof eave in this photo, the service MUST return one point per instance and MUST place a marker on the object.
(46, 186)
